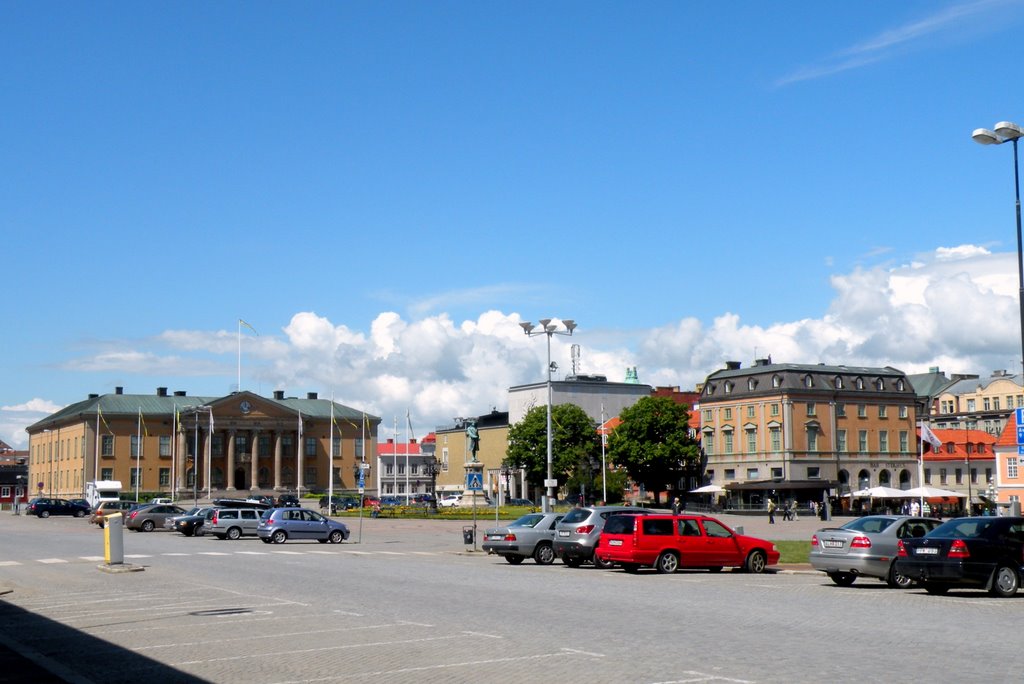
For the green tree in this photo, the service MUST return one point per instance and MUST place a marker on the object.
(574, 438)
(653, 445)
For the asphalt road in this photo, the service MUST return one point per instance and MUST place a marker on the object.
(411, 603)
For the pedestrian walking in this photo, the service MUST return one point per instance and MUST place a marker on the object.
(771, 512)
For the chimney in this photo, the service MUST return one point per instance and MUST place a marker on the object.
(94, 396)
(761, 362)
(311, 395)
(732, 365)
(391, 440)
(179, 393)
(412, 440)
(279, 394)
(161, 391)
(119, 390)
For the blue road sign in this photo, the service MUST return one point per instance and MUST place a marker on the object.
(1020, 416)
(474, 482)
(1020, 434)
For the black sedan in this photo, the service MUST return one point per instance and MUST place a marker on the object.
(44, 508)
(191, 525)
(974, 553)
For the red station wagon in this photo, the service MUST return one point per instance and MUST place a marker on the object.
(670, 542)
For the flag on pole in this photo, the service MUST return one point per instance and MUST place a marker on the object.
(99, 411)
(928, 436)
(142, 420)
(241, 322)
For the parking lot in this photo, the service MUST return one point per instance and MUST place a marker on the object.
(410, 603)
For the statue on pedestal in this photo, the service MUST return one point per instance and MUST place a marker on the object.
(472, 439)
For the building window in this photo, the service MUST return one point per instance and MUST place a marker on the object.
(286, 446)
(973, 475)
(810, 408)
(728, 442)
(707, 415)
(776, 381)
(862, 441)
(775, 410)
(942, 476)
(751, 441)
(927, 475)
(995, 403)
(812, 439)
(730, 473)
(959, 475)
(883, 441)
(310, 448)
(776, 437)
(879, 384)
(310, 474)
(135, 473)
(860, 383)
(414, 469)
(813, 472)
(862, 411)
(776, 473)
(903, 411)
(1011, 467)
(389, 468)
(240, 444)
(165, 477)
(264, 444)
(106, 473)
(165, 445)
(899, 385)
(985, 401)
(708, 442)
(727, 414)
(988, 474)
(840, 410)
(217, 445)
(841, 441)
(882, 411)
(336, 447)
(107, 445)
(401, 469)
(752, 474)
(135, 446)
(838, 382)
(950, 448)
(970, 405)
(750, 412)
(808, 381)
(904, 441)
(751, 384)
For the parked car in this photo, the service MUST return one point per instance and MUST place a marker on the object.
(287, 501)
(262, 499)
(531, 536)
(866, 546)
(45, 507)
(149, 517)
(233, 523)
(339, 503)
(81, 502)
(670, 542)
(450, 501)
(975, 553)
(576, 536)
(162, 500)
(193, 523)
(105, 508)
(278, 525)
(520, 502)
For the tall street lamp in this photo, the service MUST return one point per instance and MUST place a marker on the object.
(1006, 131)
(548, 328)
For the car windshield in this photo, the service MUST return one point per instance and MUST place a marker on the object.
(869, 524)
(528, 520)
(577, 515)
(961, 528)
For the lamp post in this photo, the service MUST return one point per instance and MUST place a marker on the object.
(433, 469)
(967, 463)
(1006, 131)
(548, 328)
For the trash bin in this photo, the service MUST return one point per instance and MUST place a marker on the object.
(334, 509)
(467, 535)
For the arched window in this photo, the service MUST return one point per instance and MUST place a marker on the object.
(838, 382)
(863, 479)
(751, 384)
(776, 381)
(808, 381)
(860, 383)
(884, 478)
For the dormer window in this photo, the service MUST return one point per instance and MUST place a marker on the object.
(879, 384)
(899, 384)
(728, 387)
(776, 381)
(808, 381)
(838, 382)
(860, 383)
(751, 384)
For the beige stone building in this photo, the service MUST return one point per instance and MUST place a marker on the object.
(182, 446)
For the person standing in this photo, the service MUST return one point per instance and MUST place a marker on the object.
(676, 507)
(771, 512)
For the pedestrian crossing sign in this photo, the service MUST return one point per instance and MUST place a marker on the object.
(474, 482)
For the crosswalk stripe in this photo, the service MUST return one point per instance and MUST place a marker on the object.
(52, 560)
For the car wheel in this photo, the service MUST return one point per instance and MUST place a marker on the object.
(896, 580)
(79, 514)
(200, 531)
(572, 562)
(544, 554)
(936, 589)
(148, 526)
(1005, 582)
(44, 514)
(279, 536)
(843, 579)
(631, 568)
(603, 564)
(513, 559)
(667, 563)
(234, 533)
(337, 536)
(757, 561)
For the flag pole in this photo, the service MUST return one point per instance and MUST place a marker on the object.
(138, 454)
(239, 387)
(330, 463)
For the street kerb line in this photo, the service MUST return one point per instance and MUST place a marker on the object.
(357, 628)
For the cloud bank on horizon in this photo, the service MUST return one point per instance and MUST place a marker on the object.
(955, 308)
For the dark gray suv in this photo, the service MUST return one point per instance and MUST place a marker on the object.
(577, 534)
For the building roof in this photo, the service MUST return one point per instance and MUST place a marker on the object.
(972, 385)
(1008, 437)
(765, 378)
(390, 448)
(959, 439)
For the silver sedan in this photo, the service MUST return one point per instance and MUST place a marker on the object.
(531, 536)
(866, 546)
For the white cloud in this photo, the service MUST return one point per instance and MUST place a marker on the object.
(955, 307)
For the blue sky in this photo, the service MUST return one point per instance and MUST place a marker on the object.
(383, 190)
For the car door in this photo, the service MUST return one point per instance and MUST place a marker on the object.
(315, 524)
(693, 545)
(721, 545)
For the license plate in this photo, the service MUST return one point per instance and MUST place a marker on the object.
(833, 543)
(495, 537)
(614, 542)
(563, 533)
(926, 551)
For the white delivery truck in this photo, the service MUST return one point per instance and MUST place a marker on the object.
(97, 491)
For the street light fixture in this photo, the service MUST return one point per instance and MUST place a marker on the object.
(548, 328)
(1006, 131)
